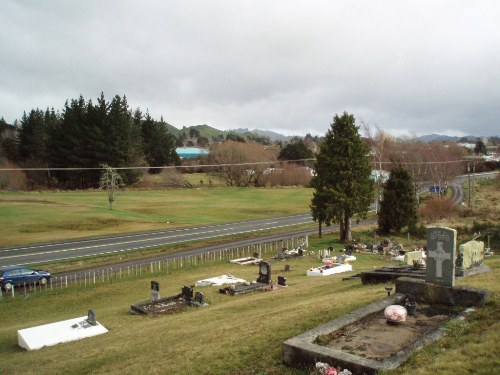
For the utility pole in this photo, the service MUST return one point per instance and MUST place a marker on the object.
(468, 180)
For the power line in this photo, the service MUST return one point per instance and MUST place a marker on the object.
(47, 169)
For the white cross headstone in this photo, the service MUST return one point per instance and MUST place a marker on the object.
(441, 249)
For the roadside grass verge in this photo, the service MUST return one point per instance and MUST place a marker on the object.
(33, 217)
(235, 334)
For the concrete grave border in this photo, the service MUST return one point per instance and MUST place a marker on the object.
(301, 350)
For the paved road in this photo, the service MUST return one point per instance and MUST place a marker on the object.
(26, 255)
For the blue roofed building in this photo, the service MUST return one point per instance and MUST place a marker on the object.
(191, 152)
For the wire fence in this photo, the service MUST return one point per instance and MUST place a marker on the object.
(116, 273)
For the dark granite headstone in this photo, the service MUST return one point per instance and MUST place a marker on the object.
(199, 298)
(264, 273)
(441, 250)
(187, 293)
(155, 290)
(282, 280)
(91, 318)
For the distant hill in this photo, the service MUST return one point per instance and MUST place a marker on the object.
(264, 133)
(213, 133)
(445, 138)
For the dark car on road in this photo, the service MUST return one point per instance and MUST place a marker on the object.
(12, 276)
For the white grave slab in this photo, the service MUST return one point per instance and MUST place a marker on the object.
(246, 261)
(219, 280)
(58, 332)
(329, 270)
(349, 258)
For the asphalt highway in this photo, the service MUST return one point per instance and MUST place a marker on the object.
(52, 252)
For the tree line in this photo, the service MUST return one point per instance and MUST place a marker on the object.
(86, 135)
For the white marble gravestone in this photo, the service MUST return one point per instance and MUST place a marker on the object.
(58, 332)
(441, 250)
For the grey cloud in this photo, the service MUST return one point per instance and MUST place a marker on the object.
(289, 66)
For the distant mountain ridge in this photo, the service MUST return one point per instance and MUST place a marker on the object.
(264, 133)
(444, 138)
(208, 131)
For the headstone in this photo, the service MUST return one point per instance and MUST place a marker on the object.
(91, 318)
(155, 290)
(470, 254)
(264, 273)
(282, 280)
(199, 298)
(187, 293)
(287, 268)
(441, 249)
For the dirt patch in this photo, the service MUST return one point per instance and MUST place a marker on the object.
(374, 338)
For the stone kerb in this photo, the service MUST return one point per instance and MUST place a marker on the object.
(441, 250)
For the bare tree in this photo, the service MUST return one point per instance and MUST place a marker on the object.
(429, 164)
(111, 181)
(241, 164)
(380, 145)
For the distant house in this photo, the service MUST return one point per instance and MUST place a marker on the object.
(191, 152)
(379, 175)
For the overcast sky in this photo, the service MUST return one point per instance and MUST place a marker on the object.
(407, 67)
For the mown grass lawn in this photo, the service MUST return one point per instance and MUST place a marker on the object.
(233, 335)
(31, 217)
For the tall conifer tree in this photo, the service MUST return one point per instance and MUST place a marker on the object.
(399, 204)
(342, 182)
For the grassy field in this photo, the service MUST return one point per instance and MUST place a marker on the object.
(238, 335)
(234, 335)
(29, 217)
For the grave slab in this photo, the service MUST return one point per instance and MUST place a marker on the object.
(329, 270)
(55, 333)
(219, 280)
(245, 261)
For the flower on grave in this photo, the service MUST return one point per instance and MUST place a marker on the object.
(345, 372)
(322, 367)
(331, 371)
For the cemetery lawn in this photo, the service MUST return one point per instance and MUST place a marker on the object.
(49, 216)
(239, 335)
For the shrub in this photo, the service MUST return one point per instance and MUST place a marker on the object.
(436, 209)
(12, 180)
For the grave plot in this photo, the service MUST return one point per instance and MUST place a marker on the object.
(293, 253)
(468, 261)
(332, 266)
(373, 339)
(171, 304)
(263, 283)
(329, 269)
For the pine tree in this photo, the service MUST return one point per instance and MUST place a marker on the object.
(295, 151)
(342, 182)
(398, 208)
(159, 145)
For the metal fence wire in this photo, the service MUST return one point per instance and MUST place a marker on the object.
(110, 274)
